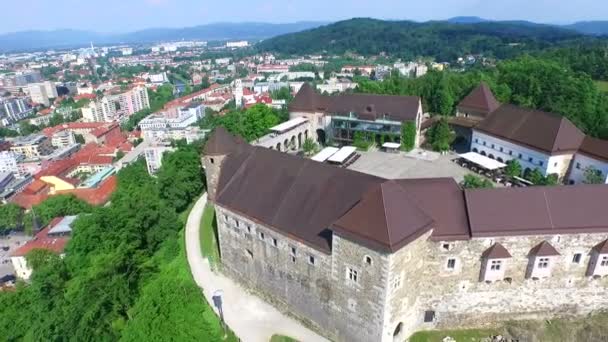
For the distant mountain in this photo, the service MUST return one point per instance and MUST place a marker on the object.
(30, 40)
(466, 20)
(590, 27)
(443, 40)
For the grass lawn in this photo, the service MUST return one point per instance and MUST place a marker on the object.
(472, 335)
(603, 85)
(208, 236)
(281, 338)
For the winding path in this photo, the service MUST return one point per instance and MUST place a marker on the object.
(252, 319)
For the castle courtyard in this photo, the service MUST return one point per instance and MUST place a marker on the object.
(399, 165)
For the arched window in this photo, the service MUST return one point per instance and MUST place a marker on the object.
(368, 260)
(475, 150)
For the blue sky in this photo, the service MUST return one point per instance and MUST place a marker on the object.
(129, 15)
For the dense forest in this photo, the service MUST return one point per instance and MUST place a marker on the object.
(406, 39)
(124, 275)
(540, 83)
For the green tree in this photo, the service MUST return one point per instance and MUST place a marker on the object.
(180, 179)
(513, 168)
(309, 146)
(475, 182)
(79, 139)
(408, 136)
(440, 136)
(593, 176)
(26, 128)
(10, 217)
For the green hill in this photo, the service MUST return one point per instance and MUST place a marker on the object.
(443, 40)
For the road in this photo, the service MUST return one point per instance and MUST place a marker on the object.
(132, 155)
(252, 319)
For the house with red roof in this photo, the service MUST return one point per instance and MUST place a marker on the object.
(53, 238)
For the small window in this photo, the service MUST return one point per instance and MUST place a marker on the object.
(293, 251)
(293, 259)
(352, 275)
(540, 163)
(261, 236)
(451, 263)
(543, 263)
(492, 145)
(520, 156)
(510, 153)
(368, 260)
(248, 229)
(576, 258)
(476, 140)
(275, 242)
(578, 166)
(555, 164)
(484, 143)
(502, 149)
(250, 253)
(225, 217)
(446, 246)
(311, 259)
(236, 223)
(429, 316)
(396, 283)
(495, 265)
(604, 261)
(211, 160)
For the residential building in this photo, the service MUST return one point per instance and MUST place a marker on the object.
(32, 146)
(362, 258)
(113, 107)
(9, 162)
(272, 68)
(335, 85)
(41, 93)
(52, 238)
(239, 44)
(154, 157)
(339, 117)
(63, 138)
(13, 110)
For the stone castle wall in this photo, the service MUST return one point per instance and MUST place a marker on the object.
(459, 298)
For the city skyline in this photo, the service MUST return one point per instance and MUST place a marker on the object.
(125, 16)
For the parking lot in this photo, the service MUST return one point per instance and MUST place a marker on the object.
(13, 242)
(413, 165)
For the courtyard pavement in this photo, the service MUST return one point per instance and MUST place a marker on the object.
(413, 165)
(251, 318)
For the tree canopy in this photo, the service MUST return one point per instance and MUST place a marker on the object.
(124, 275)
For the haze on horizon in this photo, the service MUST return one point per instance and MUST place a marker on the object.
(130, 15)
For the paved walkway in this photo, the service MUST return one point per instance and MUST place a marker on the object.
(252, 319)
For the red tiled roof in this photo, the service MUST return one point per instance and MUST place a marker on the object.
(95, 196)
(85, 96)
(43, 241)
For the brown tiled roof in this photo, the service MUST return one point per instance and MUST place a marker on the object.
(595, 148)
(544, 249)
(443, 200)
(542, 131)
(221, 142)
(497, 251)
(386, 218)
(602, 247)
(537, 210)
(481, 101)
(366, 106)
(298, 197)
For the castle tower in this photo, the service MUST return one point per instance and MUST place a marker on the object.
(218, 147)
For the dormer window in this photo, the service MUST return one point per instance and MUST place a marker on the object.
(598, 264)
(494, 261)
(542, 259)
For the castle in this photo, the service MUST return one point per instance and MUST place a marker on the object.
(362, 258)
